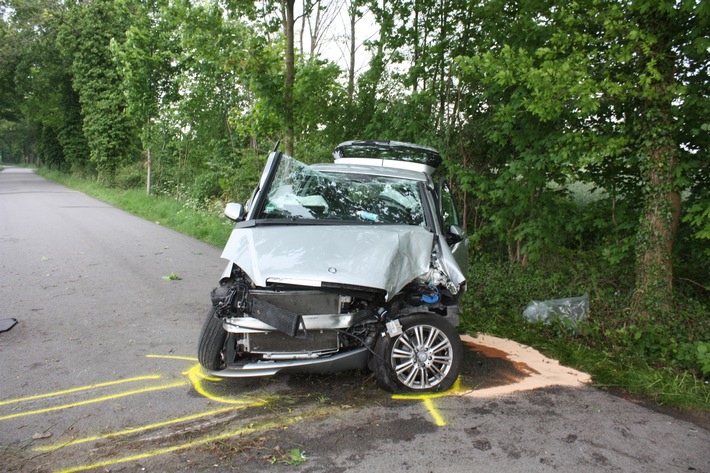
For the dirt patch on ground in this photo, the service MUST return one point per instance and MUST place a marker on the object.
(534, 370)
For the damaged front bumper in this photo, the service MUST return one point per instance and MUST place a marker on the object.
(350, 360)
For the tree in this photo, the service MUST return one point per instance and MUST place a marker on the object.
(147, 61)
(289, 22)
(598, 84)
(85, 39)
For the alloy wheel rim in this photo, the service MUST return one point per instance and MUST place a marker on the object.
(422, 357)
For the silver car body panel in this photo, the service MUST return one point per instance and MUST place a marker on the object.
(450, 265)
(367, 168)
(385, 163)
(385, 257)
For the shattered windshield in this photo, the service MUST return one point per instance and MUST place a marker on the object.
(301, 192)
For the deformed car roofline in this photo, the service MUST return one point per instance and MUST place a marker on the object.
(369, 169)
(386, 153)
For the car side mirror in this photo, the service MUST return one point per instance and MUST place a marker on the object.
(234, 212)
(455, 235)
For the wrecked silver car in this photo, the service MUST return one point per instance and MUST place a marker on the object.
(348, 265)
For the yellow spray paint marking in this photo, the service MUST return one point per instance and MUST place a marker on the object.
(438, 420)
(79, 389)
(133, 430)
(174, 448)
(95, 400)
(427, 398)
(197, 379)
(173, 357)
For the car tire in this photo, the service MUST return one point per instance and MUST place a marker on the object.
(210, 349)
(425, 357)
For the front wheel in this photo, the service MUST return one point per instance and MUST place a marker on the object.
(210, 350)
(425, 357)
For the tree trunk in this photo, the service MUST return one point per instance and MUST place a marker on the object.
(290, 77)
(149, 166)
(659, 222)
(315, 31)
(351, 70)
(656, 129)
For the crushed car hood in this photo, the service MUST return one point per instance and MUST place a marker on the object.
(385, 257)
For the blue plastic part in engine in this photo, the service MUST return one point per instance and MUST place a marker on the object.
(431, 298)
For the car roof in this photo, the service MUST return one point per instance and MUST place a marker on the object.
(369, 169)
(392, 154)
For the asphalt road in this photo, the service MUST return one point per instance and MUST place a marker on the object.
(99, 374)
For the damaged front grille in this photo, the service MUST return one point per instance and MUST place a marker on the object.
(281, 319)
(275, 345)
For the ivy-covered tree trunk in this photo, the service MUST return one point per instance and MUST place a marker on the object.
(658, 148)
(659, 222)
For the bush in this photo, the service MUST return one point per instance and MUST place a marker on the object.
(206, 186)
(499, 291)
(131, 177)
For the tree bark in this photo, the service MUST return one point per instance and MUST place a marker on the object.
(149, 167)
(659, 223)
(351, 69)
(290, 76)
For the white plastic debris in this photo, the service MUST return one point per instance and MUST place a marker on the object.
(571, 310)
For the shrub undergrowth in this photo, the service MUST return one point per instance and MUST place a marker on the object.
(663, 358)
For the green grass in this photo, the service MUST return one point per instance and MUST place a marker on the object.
(213, 229)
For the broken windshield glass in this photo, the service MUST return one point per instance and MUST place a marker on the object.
(301, 192)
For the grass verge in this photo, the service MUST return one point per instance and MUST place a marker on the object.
(212, 229)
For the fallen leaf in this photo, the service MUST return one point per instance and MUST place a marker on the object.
(44, 435)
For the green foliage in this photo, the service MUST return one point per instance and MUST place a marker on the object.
(294, 456)
(239, 180)
(698, 216)
(85, 40)
(587, 90)
(206, 186)
(702, 353)
(130, 177)
(498, 293)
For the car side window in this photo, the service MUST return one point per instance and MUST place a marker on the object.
(449, 215)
